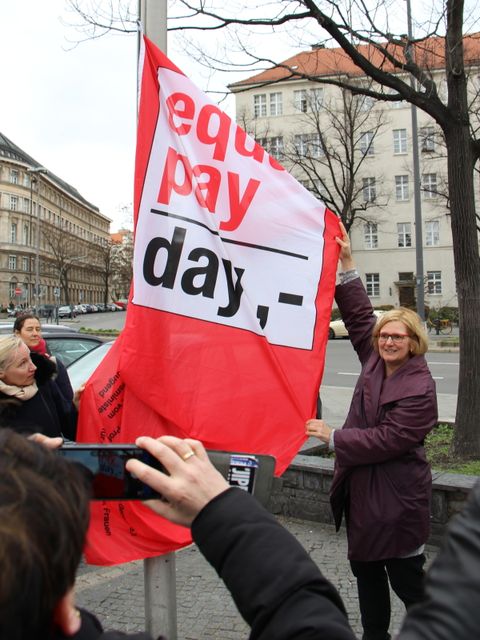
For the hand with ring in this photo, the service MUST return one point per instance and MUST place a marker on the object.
(192, 481)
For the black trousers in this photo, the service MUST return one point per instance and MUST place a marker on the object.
(406, 577)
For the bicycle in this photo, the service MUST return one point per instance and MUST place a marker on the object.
(443, 326)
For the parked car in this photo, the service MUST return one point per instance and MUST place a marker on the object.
(79, 309)
(64, 342)
(7, 327)
(66, 312)
(338, 329)
(81, 370)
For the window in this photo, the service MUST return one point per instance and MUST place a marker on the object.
(434, 282)
(25, 264)
(300, 100)
(399, 141)
(13, 203)
(320, 188)
(429, 185)
(432, 233)
(316, 97)
(25, 234)
(369, 191)
(276, 104)
(276, 147)
(259, 105)
(366, 143)
(370, 235)
(11, 289)
(372, 282)
(401, 188)
(13, 233)
(404, 232)
(427, 137)
(14, 176)
(26, 205)
(12, 262)
(301, 144)
(365, 103)
(308, 144)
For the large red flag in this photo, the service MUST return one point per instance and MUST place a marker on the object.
(226, 330)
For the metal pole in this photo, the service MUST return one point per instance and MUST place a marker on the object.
(160, 596)
(159, 573)
(416, 192)
(38, 171)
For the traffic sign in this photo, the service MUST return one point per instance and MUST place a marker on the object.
(18, 291)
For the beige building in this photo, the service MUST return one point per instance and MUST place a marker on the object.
(332, 141)
(48, 233)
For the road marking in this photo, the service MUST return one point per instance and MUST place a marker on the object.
(438, 378)
(346, 373)
(453, 364)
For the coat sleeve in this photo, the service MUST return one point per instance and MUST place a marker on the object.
(357, 314)
(452, 605)
(277, 588)
(403, 428)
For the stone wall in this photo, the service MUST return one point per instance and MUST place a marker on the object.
(302, 492)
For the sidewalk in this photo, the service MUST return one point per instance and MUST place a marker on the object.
(205, 608)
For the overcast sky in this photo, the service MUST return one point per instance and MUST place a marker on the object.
(73, 110)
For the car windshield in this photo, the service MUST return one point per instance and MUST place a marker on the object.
(81, 370)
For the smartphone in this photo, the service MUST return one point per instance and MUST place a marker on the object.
(104, 467)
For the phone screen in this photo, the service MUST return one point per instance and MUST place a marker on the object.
(104, 466)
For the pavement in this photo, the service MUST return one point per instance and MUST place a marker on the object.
(205, 608)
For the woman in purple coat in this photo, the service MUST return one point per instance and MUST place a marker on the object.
(382, 481)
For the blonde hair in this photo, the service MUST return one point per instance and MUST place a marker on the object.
(8, 347)
(414, 324)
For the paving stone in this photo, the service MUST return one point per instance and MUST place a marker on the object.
(205, 609)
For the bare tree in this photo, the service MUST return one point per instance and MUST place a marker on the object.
(400, 68)
(331, 156)
(63, 248)
(105, 259)
(122, 266)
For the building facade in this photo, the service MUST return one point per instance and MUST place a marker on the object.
(50, 236)
(355, 153)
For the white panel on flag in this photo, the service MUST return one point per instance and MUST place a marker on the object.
(224, 234)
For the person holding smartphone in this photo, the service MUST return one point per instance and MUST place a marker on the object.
(44, 514)
(382, 480)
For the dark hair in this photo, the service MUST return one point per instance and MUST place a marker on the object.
(44, 517)
(20, 320)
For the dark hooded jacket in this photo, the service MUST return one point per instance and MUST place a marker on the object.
(382, 480)
(48, 412)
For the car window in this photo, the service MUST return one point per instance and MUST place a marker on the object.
(80, 371)
(70, 349)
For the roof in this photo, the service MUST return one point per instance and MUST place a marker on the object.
(324, 62)
(9, 150)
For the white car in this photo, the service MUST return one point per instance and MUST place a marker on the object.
(338, 329)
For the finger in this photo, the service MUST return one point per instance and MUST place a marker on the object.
(185, 448)
(50, 443)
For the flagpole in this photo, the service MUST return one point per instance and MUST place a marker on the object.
(159, 572)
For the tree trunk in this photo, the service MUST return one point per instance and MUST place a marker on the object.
(467, 272)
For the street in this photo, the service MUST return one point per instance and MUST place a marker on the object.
(341, 371)
(342, 367)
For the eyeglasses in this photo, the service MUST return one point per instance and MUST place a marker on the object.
(396, 338)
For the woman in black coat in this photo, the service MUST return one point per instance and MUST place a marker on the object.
(30, 399)
(27, 327)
